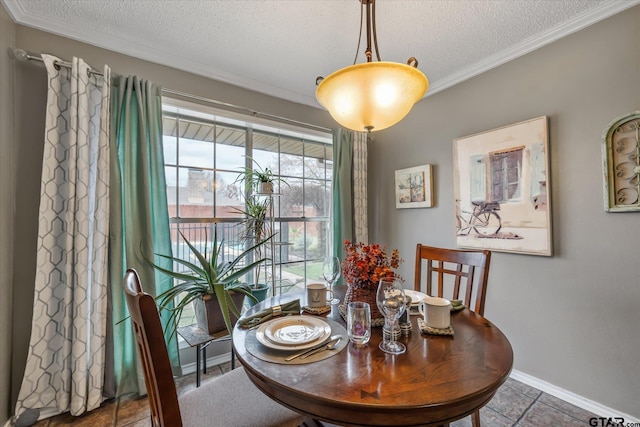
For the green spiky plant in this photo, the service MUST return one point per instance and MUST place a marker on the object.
(251, 177)
(255, 226)
(210, 276)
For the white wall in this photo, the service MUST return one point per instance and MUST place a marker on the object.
(573, 318)
(7, 37)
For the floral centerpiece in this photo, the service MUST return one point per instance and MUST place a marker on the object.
(363, 268)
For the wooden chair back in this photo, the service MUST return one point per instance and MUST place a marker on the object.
(158, 377)
(457, 270)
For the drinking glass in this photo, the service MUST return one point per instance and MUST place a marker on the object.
(331, 273)
(390, 301)
(359, 323)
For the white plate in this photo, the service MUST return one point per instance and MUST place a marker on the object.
(416, 297)
(262, 339)
(294, 330)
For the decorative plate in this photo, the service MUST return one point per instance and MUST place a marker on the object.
(262, 338)
(295, 330)
(416, 297)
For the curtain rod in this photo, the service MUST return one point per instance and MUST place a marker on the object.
(254, 113)
(22, 55)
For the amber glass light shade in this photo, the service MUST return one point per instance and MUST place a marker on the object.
(371, 96)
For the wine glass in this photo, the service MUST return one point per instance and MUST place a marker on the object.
(390, 300)
(331, 272)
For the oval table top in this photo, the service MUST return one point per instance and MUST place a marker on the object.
(437, 380)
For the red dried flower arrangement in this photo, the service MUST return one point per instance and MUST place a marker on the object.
(365, 265)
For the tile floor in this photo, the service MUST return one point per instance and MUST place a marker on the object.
(515, 404)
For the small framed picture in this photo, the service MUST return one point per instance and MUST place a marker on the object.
(413, 187)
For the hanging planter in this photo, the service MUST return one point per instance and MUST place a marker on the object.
(265, 187)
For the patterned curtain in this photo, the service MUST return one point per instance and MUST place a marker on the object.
(349, 201)
(65, 363)
(360, 217)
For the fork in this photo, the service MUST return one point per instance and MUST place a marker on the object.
(330, 346)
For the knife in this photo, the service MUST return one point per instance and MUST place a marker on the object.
(315, 347)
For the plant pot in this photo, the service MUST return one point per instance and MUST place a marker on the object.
(265, 187)
(260, 292)
(208, 314)
(363, 294)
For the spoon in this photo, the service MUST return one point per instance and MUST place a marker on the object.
(330, 346)
(302, 353)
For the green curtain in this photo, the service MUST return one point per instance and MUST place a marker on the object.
(342, 191)
(139, 216)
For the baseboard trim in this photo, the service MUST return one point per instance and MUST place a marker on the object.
(218, 359)
(572, 398)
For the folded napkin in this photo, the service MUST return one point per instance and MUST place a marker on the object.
(456, 305)
(426, 329)
(291, 307)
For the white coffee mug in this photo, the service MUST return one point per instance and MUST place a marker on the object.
(318, 294)
(436, 312)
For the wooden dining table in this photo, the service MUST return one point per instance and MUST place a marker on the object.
(439, 379)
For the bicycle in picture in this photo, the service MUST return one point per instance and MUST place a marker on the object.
(484, 219)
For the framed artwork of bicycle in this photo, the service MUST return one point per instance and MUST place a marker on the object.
(501, 185)
(413, 187)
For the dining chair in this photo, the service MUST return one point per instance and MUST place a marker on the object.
(456, 270)
(463, 273)
(230, 400)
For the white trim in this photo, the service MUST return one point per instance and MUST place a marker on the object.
(129, 47)
(572, 398)
(219, 359)
(579, 22)
(133, 48)
(590, 17)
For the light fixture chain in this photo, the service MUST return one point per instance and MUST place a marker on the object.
(359, 33)
(375, 35)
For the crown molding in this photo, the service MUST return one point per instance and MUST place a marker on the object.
(127, 47)
(599, 13)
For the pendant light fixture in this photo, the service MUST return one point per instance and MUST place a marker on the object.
(373, 95)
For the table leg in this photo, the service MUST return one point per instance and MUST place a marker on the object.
(198, 365)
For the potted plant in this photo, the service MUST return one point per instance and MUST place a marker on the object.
(211, 284)
(256, 231)
(363, 268)
(258, 179)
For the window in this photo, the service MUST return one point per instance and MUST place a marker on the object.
(506, 170)
(204, 153)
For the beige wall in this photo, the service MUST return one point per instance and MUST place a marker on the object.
(572, 319)
(7, 38)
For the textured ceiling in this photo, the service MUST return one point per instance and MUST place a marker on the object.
(279, 47)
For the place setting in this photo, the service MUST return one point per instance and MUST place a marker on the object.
(436, 315)
(293, 338)
(416, 299)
